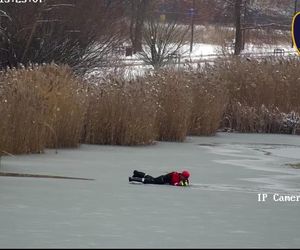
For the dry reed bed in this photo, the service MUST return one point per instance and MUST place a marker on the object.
(190, 103)
(66, 99)
(260, 93)
(47, 106)
(210, 99)
(120, 112)
(158, 106)
(174, 104)
(41, 106)
(22, 112)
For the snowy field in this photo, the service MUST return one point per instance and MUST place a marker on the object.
(133, 66)
(230, 172)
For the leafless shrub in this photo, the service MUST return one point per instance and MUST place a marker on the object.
(63, 31)
(161, 40)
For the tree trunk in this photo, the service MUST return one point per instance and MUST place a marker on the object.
(139, 12)
(238, 28)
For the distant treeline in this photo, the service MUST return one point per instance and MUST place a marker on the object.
(68, 31)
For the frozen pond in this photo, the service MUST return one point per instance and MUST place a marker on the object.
(230, 173)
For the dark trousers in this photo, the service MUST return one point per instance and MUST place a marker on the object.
(148, 179)
(151, 180)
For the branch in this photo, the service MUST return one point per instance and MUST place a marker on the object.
(4, 14)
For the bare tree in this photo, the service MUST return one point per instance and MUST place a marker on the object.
(256, 15)
(162, 40)
(78, 33)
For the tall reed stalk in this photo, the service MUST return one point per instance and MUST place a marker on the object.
(41, 106)
(121, 112)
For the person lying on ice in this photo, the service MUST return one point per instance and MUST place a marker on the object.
(173, 178)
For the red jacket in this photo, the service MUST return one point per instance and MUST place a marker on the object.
(174, 179)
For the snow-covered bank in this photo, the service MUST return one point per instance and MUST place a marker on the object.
(134, 66)
(220, 209)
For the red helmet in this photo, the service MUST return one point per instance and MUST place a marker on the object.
(185, 174)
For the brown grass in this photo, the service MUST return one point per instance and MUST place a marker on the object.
(159, 106)
(48, 106)
(66, 100)
(121, 113)
(259, 91)
(23, 113)
(210, 98)
(174, 99)
(190, 103)
(40, 106)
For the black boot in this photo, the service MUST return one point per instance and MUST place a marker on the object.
(138, 179)
(138, 174)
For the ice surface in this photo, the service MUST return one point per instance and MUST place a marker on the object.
(219, 210)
